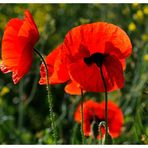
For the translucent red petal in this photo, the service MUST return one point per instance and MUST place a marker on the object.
(56, 67)
(18, 42)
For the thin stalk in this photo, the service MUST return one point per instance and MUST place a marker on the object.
(82, 132)
(33, 90)
(21, 107)
(49, 95)
(106, 105)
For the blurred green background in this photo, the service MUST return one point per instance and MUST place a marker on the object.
(24, 114)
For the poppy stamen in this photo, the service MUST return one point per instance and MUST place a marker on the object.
(97, 58)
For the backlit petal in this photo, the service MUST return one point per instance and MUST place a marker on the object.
(96, 36)
(90, 79)
(56, 68)
(114, 70)
(18, 42)
(72, 88)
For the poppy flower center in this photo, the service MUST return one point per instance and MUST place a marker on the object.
(97, 58)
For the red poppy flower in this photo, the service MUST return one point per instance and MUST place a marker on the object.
(95, 112)
(18, 41)
(84, 50)
(96, 45)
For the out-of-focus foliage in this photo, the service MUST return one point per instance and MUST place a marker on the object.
(24, 115)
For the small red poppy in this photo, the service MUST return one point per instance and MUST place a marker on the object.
(18, 41)
(85, 49)
(95, 112)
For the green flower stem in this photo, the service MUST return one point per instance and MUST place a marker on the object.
(49, 95)
(21, 107)
(82, 132)
(106, 105)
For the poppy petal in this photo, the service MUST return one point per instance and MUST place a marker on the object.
(60, 74)
(29, 18)
(50, 60)
(9, 43)
(56, 68)
(96, 36)
(28, 30)
(4, 69)
(112, 71)
(72, 88)
(92, 76)
(123, 63)
(115, 72)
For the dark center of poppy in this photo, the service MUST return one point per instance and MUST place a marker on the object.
(95, 126)
(97, 58)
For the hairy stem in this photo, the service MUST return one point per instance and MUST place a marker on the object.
(49, 95)
(106, 105)
(21, 107)
(82, 132)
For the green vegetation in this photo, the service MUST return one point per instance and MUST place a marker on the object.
(24, 114)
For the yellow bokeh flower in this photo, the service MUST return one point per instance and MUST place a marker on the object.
(135, 5)
(132, 26)
(4, 91)
(145, 10)
(145, 57)
(139, 16)
(125, 11)
(145, 37)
